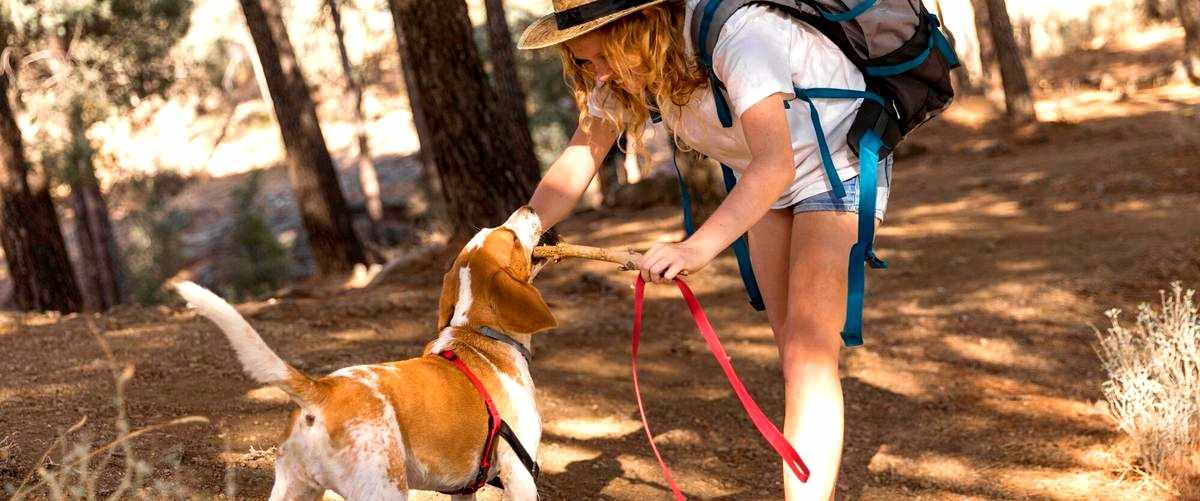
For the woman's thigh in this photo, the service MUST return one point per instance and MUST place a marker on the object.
(816, 296)
(770, 240)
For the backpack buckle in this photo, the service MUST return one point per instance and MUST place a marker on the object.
(873, 116)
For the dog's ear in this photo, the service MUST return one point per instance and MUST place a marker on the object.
(449, 297)
(518, 306)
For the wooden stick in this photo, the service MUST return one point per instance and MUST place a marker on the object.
(556, 253)
(625, 258)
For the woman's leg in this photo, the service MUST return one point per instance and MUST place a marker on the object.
(770, 240)
(809, 343)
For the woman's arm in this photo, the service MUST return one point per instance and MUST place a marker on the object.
(769, 174)
(568, 177)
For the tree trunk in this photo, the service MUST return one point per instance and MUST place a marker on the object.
(1189, 16)
(987, 49)
(510, 92)
(367, 175)
(455, 115)
(1018, 98)
(38, 264)
(101, 271)
(89, 280)
(310, 168)
(960, 77)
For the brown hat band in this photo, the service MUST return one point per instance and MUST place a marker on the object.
(591, 11)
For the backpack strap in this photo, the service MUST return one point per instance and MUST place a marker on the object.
(862, 253)
(741, 250)
(705, 29)
(741, 246)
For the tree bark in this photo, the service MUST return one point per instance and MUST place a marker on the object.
(987, 50)
(311, 171)
(101, 271)
(368, 177)
(1018, 98)
(38, 263)
(960, 77)
(455, 114)
(1189, 17)
(510, 91)
(89, 281)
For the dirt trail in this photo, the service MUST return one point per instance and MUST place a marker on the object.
(977, 380)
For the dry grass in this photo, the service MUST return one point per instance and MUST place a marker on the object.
(1153, 386)
(74, 467)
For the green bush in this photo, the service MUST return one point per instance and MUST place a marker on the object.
(260, 263)
(154, 245)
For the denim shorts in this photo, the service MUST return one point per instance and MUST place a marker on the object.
(826, 202)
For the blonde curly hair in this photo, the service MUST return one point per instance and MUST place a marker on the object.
(646, 48)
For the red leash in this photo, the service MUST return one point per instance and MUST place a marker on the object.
(765, 427)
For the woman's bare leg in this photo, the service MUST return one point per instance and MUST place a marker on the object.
(809, 344)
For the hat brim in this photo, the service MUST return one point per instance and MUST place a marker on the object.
(544, 32)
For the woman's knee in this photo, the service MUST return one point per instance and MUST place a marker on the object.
(809, 339)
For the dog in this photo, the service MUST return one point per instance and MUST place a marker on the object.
(373, 432)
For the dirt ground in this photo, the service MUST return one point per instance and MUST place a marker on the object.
(978, 379)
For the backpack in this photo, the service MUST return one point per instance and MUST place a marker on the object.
(906, 61)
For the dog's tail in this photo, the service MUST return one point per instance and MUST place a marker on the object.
(258, 360)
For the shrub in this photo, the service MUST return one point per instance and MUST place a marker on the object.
(154, 249)
(1153, 385)
(260, 263)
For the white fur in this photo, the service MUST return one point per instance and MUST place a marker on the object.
(443, 340)
(477, 240)
(256, 357)
(519, 484)
(372, 441)
(463, 304)
(526, 225)
(528, 423)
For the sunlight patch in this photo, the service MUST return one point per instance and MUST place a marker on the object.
(938, 468)
(592, 428)
(268, 395)
(882, 373)
(643, 469)
(355, 335)
(555, 457)
(1001, 352)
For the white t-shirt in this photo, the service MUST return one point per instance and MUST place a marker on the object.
(762, 51)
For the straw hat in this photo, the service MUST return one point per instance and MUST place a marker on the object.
(572, 18)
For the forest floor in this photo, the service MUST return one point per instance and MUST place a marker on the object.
(978, 378)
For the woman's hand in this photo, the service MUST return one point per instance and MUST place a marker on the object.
(663, 262)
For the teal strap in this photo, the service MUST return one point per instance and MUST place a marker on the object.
(685, 196)
(936, 39)
(741, 250)
(863, 252)
(850, 14)
(807, 95)
(710, 9)
(723, 113)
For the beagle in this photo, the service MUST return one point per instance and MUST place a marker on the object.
(373, 432)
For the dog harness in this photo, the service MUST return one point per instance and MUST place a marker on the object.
(496, 426)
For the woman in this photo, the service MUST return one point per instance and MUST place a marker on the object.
(621, 55)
